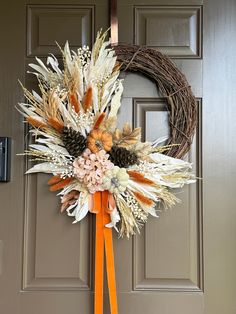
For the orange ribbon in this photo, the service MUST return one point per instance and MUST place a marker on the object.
(103, 239)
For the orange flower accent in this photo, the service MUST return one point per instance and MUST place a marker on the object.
(98, 140)
(88, 98)
(55, 124)
(61, 184)
(75, 102)
(139, 177)
(143, 199)
(99, 120)
(36, 123)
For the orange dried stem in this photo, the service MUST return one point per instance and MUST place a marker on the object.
(139, 177)
(55, 124)
(88, 99)
(140, 197)
(75, 102)
(61, 184)
(99, 120)
(36, 123)
(54, 179)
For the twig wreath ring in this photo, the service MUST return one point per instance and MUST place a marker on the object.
(172, 84)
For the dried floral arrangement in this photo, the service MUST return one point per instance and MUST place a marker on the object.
(77, 141)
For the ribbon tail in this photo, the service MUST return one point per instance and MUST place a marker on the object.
(99, 255)
(103, 239)
(110, 265)
(110, 270)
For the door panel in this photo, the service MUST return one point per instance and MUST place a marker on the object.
(46, 263)
(174, 30)
(49, 23)
(57, 255)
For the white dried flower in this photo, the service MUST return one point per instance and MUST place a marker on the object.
(115, 180)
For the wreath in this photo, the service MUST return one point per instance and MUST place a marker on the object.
(95, 166)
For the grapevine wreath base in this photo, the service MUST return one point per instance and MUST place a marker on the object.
(172, 84)
(96, 167)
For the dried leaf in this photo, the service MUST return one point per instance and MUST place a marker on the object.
(127, 137)
(142, 149)
(127, 129)
(117, 135)
(116, 100)
(109, 124)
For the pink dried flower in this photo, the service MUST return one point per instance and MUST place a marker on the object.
(89, 168)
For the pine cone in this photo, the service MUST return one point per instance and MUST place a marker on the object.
(122, 157)
(74, 142)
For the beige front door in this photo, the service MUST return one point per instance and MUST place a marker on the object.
(181, 263)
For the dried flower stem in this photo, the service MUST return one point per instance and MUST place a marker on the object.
(36, 123)
(88, 99)
(75, 102)
(61, 184)
(140, 197)
(99, 120)
(139, 177)
(55, 124)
